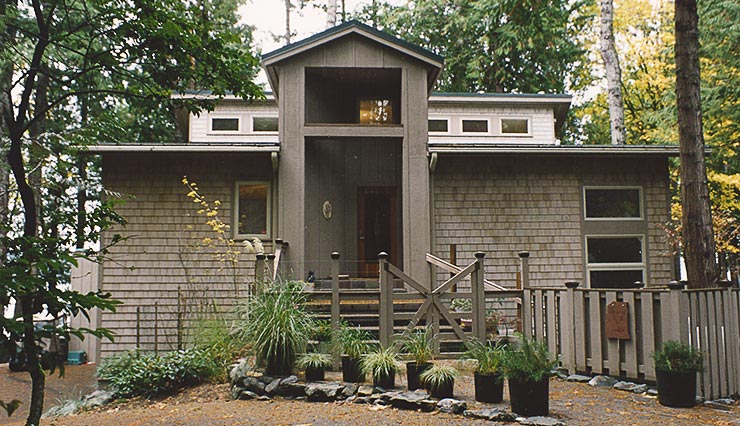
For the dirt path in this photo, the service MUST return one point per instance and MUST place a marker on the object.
(576, 404)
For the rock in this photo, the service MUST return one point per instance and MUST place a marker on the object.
(640, 388)
(272, 386)
(491, 414)
(539, 421)
(723, 401)
(266, 379)
(65, 409)
(236, 392)
(291, 390)
(254, 384)
(365, 390)
(428, 405)
(580, 378)
(98, 398)
(408, 400)
(239, 371)
(350, 389)
(561, 374)
(602, 381)
(719, 404)
(630, 387)
(247, 395)
(452, 406)
(652, 392)
(362, 400)
(289, 379)
(322, 392)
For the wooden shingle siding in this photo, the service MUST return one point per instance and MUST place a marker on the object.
(146, 266)
(503, 205)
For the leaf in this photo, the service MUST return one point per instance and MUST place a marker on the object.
(11, 406)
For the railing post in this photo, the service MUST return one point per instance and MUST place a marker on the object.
(569, 328)
(270, 263)
(479, 297)
(526, 308)
(678, 313)
(335, 306)
(385, 307)
(259, 268)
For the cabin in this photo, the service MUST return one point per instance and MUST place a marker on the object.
(353, 152)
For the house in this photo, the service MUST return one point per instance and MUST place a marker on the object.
(353, 152)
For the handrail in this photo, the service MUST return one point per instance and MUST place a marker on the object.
(280, 246)
(449, 267)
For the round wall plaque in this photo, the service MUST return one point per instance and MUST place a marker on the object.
(326, 209)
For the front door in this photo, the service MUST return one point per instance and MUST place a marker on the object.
(377, 219)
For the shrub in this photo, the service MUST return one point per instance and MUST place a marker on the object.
(531, 362)
(380, 363)
(214, 337)
(314, 360)
(488, 354)
(351, 341)
(677, 357)
(437, 376)
(134, 374)
(420, 345)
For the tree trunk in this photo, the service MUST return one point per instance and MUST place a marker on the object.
(288, 7)
(331, 13)
(613, 73)
(696, 221)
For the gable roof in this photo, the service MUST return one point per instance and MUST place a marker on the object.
(270, 59)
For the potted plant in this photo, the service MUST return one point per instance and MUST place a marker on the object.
(351, 342)
(314, 364)
(419, 345)
(277, 324)
(676, 365)
(382, 364)
(440, 380)
(528, 370)
(488, 377)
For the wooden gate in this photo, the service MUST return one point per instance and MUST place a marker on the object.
(433, 308)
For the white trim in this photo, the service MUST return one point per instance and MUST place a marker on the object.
(501, 126)
(615, 266)
(268, 213)
(208, 148)
(614, 187)
(485, 118)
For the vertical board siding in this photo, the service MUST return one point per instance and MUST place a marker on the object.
(84, 279)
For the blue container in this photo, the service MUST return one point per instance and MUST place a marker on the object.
(76, 357)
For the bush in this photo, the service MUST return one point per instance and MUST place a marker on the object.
(134, 374)
(677, 357)
(489, 355)
(531, 362)
(214, 337)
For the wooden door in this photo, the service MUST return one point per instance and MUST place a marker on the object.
(377, 227)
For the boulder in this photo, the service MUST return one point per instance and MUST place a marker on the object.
(291, 390)
(452, 406)
(365, 390)
(272, 386)
(98, 398)
(350, 389)
(580, 378)
(322, 392)
(253, 384)
(602, 381)
(409, 400)
(491, 414)
(239, 371)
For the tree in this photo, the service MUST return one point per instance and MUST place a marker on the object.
(56, 56)
(613, 73)
(696, 221)
(515, 46)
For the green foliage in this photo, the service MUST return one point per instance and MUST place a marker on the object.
(420, 345)
(380, 363)
(11, 406)
(321, 331)
(135, 374)
(530, 362)
(214, 338)
(437, 376)
(351, 341)
(277, 325)
(489, 355)
(678, 357)
(314, 360)
(462, 305)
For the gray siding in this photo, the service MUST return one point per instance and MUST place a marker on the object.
(503, 205)
(162, 229)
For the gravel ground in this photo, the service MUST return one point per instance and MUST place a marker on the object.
(575, 404)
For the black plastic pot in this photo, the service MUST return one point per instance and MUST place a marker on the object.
(530, 398)
(314, 374)
(351, 371)
(676, 389)
(489, 387)
(444, 390)
(278, 366)
(413, 370)
(385, 381)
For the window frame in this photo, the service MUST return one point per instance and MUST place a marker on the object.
(616, 266)
(501, 126)
(614, 187)
(225, 116)
(268, 213)
(487, 119)
(265, 132)
(446, 119)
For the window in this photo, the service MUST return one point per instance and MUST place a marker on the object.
(475, 126)
(612, 203)
(514, 126)
(438, 125)
(264, 124)
(615, 261)
(376, 111)
(225, 124)
(252, 209)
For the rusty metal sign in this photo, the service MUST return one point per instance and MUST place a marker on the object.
(617, 321)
